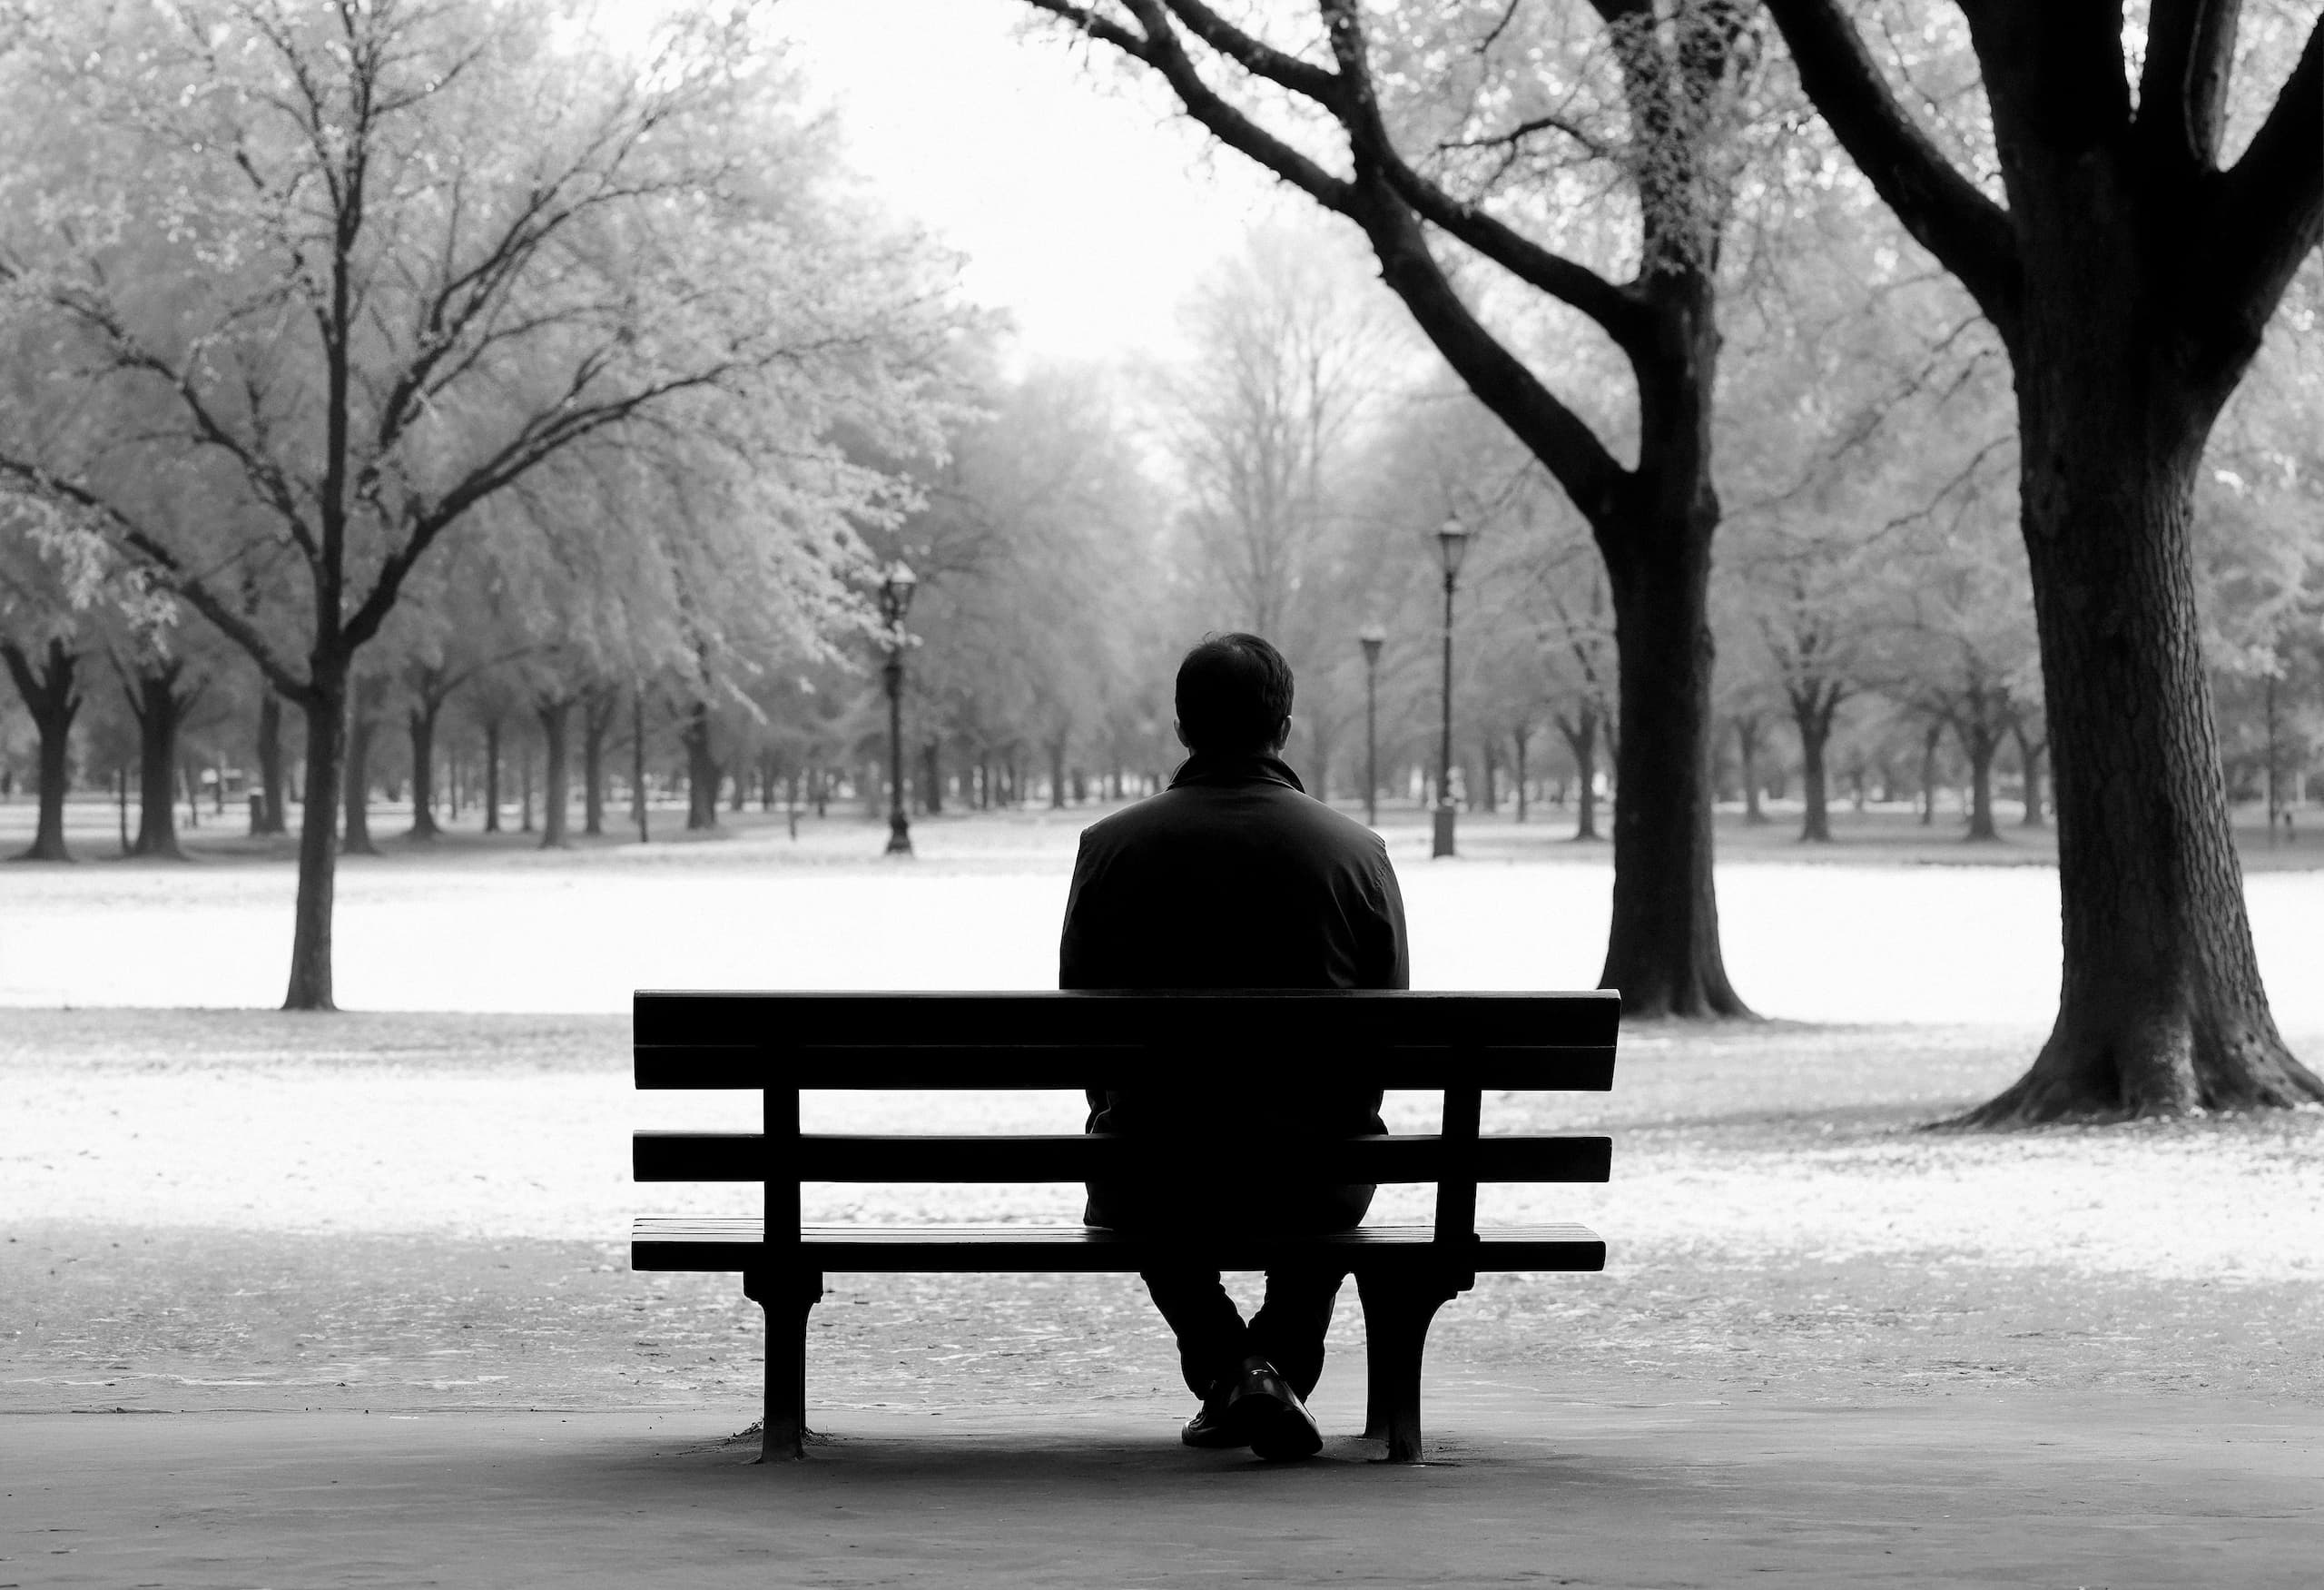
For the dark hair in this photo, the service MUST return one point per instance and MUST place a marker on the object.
(1233, 693)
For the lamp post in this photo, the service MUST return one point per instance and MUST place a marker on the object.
(895, 601)
(1372, 639)
(1452, 543)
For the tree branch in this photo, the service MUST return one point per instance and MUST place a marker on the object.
(2182, 86)
(1618, 313)
(1939, 206)
(166, 564)
(2268, 212)
(1158, 46)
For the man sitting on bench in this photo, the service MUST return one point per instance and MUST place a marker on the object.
(1234, 877)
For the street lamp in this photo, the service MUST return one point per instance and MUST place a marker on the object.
(895, 601)
(1451, 545)
(1371, 638)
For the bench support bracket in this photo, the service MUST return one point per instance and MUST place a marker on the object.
(1397, 1309)
(788, 1296)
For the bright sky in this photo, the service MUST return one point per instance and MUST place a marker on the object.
(1083, 211)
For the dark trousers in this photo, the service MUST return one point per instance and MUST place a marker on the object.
(1214, 1339)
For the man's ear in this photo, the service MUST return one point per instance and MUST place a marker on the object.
(1179, 729)
(1282, 735)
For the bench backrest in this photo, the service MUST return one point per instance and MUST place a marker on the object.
(779, 1043)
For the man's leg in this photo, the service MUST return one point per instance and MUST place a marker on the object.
(1291, 1322)
(1213, 1340)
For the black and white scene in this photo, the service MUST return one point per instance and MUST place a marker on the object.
(1087, 792)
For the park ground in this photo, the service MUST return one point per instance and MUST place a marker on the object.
(344, 1299)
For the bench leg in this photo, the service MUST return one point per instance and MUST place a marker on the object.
(1397, 1310)
(787, 1299)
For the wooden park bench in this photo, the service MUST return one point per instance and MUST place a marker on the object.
(1461, 1044)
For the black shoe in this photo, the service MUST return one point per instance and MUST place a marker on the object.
(1215, 1427)
(1269, 1415)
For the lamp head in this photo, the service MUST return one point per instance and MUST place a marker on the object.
(1451, 545)
(895, 592)
(1372, 637)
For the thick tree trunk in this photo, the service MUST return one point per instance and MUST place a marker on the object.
(555, 713)
(271, 817)
(421, 721)
(156, 702)
(2160, 1008)
(325, 708)
(1518, 741)
(1663, 950)
(48, 688)
(932, 778)
(703, 773)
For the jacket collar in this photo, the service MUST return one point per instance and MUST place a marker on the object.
(1213, 769)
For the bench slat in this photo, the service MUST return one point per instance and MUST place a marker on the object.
(1017, 1068)
(929, 1039)
(681, 1156)
(712, 1244)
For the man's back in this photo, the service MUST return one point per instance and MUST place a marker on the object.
(1232, 878)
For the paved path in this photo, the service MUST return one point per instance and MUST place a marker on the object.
(1968, 1490)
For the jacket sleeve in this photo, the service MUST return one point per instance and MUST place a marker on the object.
(1392, 955)
(1079, 958)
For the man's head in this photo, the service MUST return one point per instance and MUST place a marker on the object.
(1234, 697)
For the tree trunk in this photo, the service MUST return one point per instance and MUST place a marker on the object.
(492, 774)
(155, 703)
(420, 719)
(1581, 733)
(1056, 774)
(703, 773)
(1978, 743)
(325, 708)
(271, 815)
(2029, 768)
(1811, 714)
(555, 713)
(1747, 753)
(1518, 741)
(932, 780)
(598, 709)
(49, 698)
(2161, 1009)
(363, 700)
(1930, 737)
(1663, 950)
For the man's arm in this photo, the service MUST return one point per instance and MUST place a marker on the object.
(1394, 952)
(1079, 963)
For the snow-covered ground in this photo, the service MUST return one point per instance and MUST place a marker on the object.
(516, 931)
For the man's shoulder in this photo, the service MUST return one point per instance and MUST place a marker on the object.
(1187, 810)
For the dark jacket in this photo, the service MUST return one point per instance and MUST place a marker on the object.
(1234, 877)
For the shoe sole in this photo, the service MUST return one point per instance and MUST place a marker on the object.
(1280, 1434)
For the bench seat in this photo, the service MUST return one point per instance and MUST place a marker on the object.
(738, 1243)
